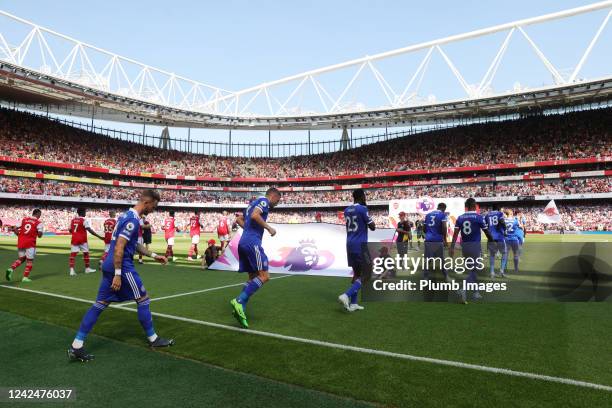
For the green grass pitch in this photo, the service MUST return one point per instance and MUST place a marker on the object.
(293, 359)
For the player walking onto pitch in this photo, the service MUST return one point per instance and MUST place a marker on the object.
(109, 227)
(30, 229)
(195, 225)
(513, 240)
(169, 228)
(358, 222)
(470, 224)
(79, 227)
(435, 225)
(223, 230)
(251, 256)
(120, 281)
(497, 228)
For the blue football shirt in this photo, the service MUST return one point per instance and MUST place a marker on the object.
(127, 227)
(433, 226)
(357, 219)
(252, 231)
(470, 225)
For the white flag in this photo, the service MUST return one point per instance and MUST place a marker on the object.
(550, 215)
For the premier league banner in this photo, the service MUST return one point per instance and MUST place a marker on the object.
(303, 249)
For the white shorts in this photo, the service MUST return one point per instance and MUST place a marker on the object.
(29, 253)
(170, 241)
(141, 240)
(224, 237)
(106, 247)
(83, 248)
(195, 239)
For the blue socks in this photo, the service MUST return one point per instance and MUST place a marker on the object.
(353, 291)
(145, 319)
(249, 290)
(88, 322)
(516, 263)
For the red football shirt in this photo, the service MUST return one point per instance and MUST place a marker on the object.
(109, 227)
(78, 230)
(223, 227)
(28, 232)
(194, 225)
(169, 228)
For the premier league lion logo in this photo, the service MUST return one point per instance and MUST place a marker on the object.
(425, 204)
(303, 258)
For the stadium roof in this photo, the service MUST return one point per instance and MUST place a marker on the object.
(37, 77)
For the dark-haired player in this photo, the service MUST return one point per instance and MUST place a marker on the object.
(169, 228)
(195, 226)
(435, 239)
(30, 229)
(120, 281)
(469, 225)
(79, 227)
(358, 221)
(251, 256)
(497, 228)
(109, 227)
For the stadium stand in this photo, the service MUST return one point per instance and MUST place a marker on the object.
(520, 158)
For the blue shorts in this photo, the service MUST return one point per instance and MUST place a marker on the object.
(251, 258)
(495, 246)
(131, 287)
(514, 245)
(360, 263)
(433, 250)
(354, 258)
(471, 249)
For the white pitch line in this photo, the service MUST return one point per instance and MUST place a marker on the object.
(124, 305)
(210, 289)
(449, 363)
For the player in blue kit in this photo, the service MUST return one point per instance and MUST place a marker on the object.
(358, 222)
(251, 256)
(470, 225)
(120, 281)
(497, 228)
(512, 239)
(435, 239)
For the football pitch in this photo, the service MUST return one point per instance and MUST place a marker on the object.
(302, 349)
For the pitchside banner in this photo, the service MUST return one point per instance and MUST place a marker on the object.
(418, 207)
(303, 249)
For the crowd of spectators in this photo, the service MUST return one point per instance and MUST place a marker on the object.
(571, 135)
(23, 185)
(573, 217)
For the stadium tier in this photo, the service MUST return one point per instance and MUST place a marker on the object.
(510, 162)
(532, 142)
(586, 216)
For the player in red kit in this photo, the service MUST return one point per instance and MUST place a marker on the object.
(79, 227)
(195, 226)
(169, 231)
(31, 228)
(223, 230)
(109, 227)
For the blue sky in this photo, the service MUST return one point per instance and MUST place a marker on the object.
(236, 44)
